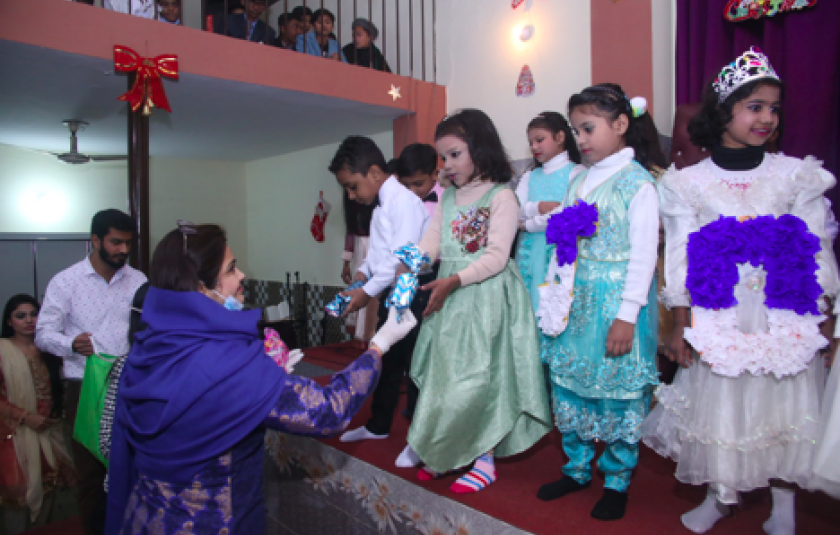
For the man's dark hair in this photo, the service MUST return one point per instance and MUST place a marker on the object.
(105, 220)
(416, 158)
(357, 154)
(300, 11)
(188, 256)
(284, 18)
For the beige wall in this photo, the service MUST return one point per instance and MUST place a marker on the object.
(281, 197)
(200, 191)
(479, 59)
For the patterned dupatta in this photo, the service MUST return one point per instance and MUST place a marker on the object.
(20, 391)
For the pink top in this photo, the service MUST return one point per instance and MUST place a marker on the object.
(431, 206)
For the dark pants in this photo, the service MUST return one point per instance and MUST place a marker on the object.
(89, 470)
(396, 363)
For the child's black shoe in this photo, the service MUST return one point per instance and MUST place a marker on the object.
(611, 506)
(558, 489)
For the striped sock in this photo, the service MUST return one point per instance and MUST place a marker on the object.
(427, 474)
(482, 474)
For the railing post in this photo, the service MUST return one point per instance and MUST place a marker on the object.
(411, 38)
(434, 41)
(384, 38)
(423, 34)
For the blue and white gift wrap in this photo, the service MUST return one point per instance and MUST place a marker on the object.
(406, 286)
(338, 305)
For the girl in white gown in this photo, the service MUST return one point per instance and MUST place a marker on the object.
(743, 412)
(826, 472)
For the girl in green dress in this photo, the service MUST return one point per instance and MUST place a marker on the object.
(477, 359)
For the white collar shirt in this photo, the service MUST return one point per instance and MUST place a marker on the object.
(79, 300)
(400, 218)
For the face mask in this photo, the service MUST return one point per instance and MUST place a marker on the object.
(231, 303)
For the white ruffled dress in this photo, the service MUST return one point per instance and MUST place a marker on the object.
(757, 417)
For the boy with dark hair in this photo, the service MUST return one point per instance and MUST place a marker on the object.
(399, 218)
(288, 28)
(304, 15)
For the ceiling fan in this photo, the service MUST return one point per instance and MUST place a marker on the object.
(74, 156)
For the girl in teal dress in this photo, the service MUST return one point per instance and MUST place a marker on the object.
(602, 366)
(540, 191)
(477, 361)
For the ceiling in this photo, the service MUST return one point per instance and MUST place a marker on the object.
(211, 118)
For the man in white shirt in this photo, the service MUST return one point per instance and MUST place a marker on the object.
(86, 309)
(400, 217)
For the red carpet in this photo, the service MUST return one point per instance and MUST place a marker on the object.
(656, 499)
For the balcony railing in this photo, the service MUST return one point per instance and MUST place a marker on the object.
(406, 28)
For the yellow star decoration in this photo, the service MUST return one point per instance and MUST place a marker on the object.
(395, 92)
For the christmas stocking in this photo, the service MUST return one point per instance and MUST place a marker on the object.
(322, 210)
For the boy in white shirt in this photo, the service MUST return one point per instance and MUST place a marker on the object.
(398, 219)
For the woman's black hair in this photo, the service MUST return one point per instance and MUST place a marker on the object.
(555, 123)
(187, 256)
(488, 154)
(320, 12)
(707, 127)
(51, 362)
(11, 305)
(415, 158)
(357, 216)
(611, 100)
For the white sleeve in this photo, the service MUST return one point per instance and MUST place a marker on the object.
(809, 206)
(679, 221)
(528, 209)
(831, 226)
(406, 221)
(644, 240)
(49, 331)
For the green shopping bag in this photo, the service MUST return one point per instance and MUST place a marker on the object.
(92, 402)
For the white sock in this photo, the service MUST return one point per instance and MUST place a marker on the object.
(702, 518)
(360, 433)
(782, 520)
(408, 458)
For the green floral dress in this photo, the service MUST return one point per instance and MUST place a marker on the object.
(477, 360)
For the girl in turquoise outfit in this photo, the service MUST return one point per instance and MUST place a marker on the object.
(477, 358)
(602, 365)
(540, 191)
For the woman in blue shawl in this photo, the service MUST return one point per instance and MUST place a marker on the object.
(198, 392)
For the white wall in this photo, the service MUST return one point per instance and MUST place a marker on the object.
(38, 193)
(480, 57)
(201, 191)
(281, 197)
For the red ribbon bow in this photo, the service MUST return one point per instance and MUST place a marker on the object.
(148, 86)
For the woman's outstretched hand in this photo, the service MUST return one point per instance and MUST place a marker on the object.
(393, 331)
